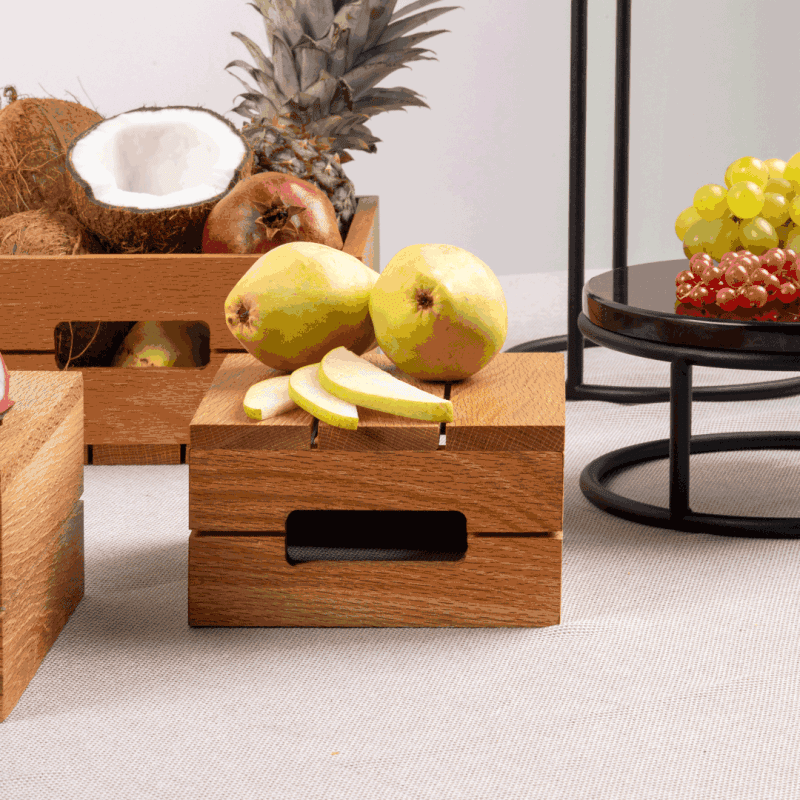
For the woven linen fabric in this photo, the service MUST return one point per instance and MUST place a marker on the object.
(673, 673)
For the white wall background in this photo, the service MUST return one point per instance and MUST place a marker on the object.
(486, 168)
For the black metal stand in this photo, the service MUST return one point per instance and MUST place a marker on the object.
(573, 342)
(682, 444)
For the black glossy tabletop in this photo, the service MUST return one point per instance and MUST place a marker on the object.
(649, 309)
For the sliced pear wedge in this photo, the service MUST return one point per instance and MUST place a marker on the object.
(268, 398)
(305, 390)
(352, 378)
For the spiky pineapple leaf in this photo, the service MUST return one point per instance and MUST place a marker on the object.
(285, 73)
(404, 26)
(255, 51)
(402, 43)
(380, 13)
(411, 7)
(354, 18)
(261, 77)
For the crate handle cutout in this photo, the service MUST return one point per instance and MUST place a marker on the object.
(86, 344)
(348, 535)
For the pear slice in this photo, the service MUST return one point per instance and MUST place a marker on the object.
(346, 375)
(269, 398)
(305, 390)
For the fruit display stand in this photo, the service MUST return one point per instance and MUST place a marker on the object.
(488, 494)
(136, 416)
(41, 522)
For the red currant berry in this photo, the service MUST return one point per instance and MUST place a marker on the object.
(687, 276)
(773, 259)
(736, 274)
(753, 297)
(712, 273)
(727, 298)
(788, 292)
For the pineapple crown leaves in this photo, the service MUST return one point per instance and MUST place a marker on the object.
(327, 57)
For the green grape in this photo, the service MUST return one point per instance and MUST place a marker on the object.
(794, 210)
(747, 169)
(699, 237)
(724, 237)
(685, 220)
(780, 186)
(745, 199)
(792, 171)
(709, 200)
(757, 235)
(776, 209)
(776, 166)
(793, 240)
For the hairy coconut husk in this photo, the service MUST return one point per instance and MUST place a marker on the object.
(130, 230)
(45, 233)
(35, 134)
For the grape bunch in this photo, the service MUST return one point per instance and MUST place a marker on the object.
(757, 210)
(740, 280)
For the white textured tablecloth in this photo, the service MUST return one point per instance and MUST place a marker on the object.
(674, 673)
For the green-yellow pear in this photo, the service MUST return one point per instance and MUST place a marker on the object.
(157, 344)
(306, 390)
(298, 302)
(439, 312)
(269, 398)
(352, 378)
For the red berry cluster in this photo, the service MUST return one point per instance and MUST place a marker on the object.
(740, 280)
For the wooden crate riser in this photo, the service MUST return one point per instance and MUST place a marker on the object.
(501, 468)
(134, 415)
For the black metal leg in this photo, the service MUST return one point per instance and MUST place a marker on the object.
(680, 407)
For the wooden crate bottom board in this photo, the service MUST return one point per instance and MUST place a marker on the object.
(245, 580)
(130, 454)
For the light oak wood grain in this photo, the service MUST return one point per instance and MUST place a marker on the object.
(245, 580)
(149, 408)
(502, 467)
(41, 521)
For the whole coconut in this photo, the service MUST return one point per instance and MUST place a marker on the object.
(35, 134)
(45, 233)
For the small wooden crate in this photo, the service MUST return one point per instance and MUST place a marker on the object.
(501, 466)
(136, 416)
(41, 522)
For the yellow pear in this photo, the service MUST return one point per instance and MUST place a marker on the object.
(300, 300)
(359, 381)
(439, 312)
(306, 391)
(157, 344)
(268, 398)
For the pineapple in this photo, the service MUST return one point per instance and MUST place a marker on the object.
(318, 89)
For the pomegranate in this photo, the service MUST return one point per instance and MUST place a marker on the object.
(267, 210)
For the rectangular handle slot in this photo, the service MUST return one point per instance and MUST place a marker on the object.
(345, 535)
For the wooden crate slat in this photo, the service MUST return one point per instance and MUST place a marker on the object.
(508, 581)
(126, 406)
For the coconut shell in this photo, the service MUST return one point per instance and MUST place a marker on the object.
(45, 233)
(130, 230)
(35, 134)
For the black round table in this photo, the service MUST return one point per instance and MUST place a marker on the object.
(649, 322)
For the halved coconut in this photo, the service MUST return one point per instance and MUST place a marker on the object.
(147, 179)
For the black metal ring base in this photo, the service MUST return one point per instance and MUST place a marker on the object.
(601, 469)
(632, 395)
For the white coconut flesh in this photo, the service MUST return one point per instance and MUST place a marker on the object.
(167, 158)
